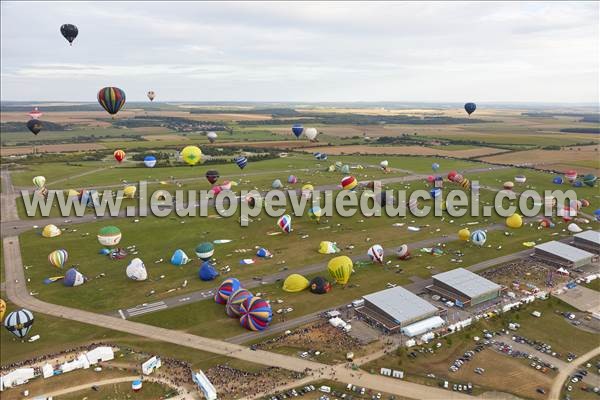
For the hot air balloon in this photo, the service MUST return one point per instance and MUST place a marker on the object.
(205, 251)
(39, 181)
(590, 180)
(585, 203)
(574, 228)
(571, 175)
(2, 309)
(151, 95)
(58, 258)
(119, 155)
(315, 213)
(297, 130)
(250, 199)
(327, 247)
(431, 179)
(109, 236)
(435, 166)
(150, 161)
(520, 178)
(51, 231)
(402, 252)
(129, 192)
(478, 237)
(69, 32)
(292, 179)
(340, 269)
(307, 190)
(19, 322)
(295, 283)
(578, 184)
(255, 314)
(285, 223)
(470, 108)
(212, 176)
(211, 136)
(375, 253)
(207, 272)
(597, 214)
(558, 180)
(112, 99)
(464, 234)
(345, 169)
(435, 193)
(276, 184)
(319, 285)
(136, 270)
(384, 164)
(226, 289)
(35, 113)
(179, 258)
(452, 175)
(226, 185)
(514, 221)
(546, 223)
(234, 303)
(263, 253)
(73, 278)
(35, 126)
(311, 134)
(241, 162)
(508, 185)
(191, 155)
(349, 183)
(320, 156)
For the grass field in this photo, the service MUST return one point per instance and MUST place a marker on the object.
(150, 390)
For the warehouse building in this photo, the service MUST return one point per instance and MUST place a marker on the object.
(464, 287)
(588, 241)
(395, 309)
(562, 255)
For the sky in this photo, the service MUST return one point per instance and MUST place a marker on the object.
(304, 51)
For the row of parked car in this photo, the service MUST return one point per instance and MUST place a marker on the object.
(535, 361)
(294, 393)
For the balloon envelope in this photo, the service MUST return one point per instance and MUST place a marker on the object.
(109, 236)
(50, 231)
(207, 272)
(227, 287)
(319, 285)
(212, 136)
(375, 253)
(205, 250)
(212, 176)
(241, 162)
(295, 283)
(39, 181)
(349, 183)
(150, 161)
(151, 95)
(191, 155)
(179, 258)
(234, 303)
(255, 314)
(58, 258)
(73, 278)
(311, 134)
(69, 32)
(136, 270)
(340, 269)
(35, 126)
(470, 108)
(478, 237)
(19, 322)
(119, 155)
(514, 221)
(297, 130)
(112, 99)
(326, 247)
(285, 223)
(464, 234)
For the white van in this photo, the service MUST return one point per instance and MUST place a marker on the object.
(325, 389)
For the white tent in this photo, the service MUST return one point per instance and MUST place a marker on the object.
(81, 362)
(16, 377)
(47, 371)
(423, 326)
(99, 354)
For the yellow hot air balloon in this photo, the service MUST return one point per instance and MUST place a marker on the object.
(2, 309)
(295, 283)
(340, 269)
(51, 231)
(191, 155)
(514, 221)
(72, 193)
(129, 191)
(464, 234)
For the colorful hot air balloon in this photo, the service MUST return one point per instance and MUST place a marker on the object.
(402, 252)
(590, 180)
(151, 95)
(340, 269)
(276, 184)
(315, 213)
(508, 185)
(264, 253)
(234, 303)
(464, 234)
(241, 161)
(297, 130)
(205, 251)
(112, 99)
(255, 314)
(109, 236)
(58, 258)
(349, 183)
(327, 247)
(2, 309)
(73, 278)
(292, 179)
(307, 190)
(211, 136)
(136, 270)
(514, 221)
(227, 287)
(39, 181)
(207, 272)
(470, 108)
(129, 192)
(546, 223)
(35, 126)
(119, 155)
(295, 283)
(435, 193)
(435, 166)
(35, 113)
(571, 175)
(375, 253)
(478, 237)
(51, 231)
(150, 161)
(452, 175)
(212, 176)
(319, 285)
(19, 322)
(285, 223)
(311, 134)
(69, 32)
(179, 258)
(191, 155)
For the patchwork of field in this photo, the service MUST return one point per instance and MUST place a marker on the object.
(50, 148)
(409, 150)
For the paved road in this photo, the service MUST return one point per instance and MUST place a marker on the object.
(566, 372)
(8, 204)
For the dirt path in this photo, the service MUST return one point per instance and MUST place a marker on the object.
(567, 371)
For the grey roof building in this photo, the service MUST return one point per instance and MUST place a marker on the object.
(465, 287)
(562, 254)
(588, 241)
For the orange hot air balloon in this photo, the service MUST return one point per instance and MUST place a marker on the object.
(119, 155)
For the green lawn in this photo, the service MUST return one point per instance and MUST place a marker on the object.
(150, 390)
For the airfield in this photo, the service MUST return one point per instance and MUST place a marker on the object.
(172, 314)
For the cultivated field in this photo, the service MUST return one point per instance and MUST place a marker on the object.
(50, 148)
(409, 150)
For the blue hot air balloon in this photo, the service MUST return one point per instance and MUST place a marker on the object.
(597, 214)
(73, 278)
(435, 192)
(19, 322)
(150, 161)
(557, 180)
(297, 130)
(435, 166)
(577, 184)
(179, 258)
(207, 272)
(241, 161)
(470, 108)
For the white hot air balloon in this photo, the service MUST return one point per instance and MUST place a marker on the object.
(151, 95)
(136, 270)
(212, 136)
(311, 134)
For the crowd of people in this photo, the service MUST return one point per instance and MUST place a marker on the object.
(233, 383)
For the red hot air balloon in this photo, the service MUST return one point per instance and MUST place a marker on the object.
(119, 155)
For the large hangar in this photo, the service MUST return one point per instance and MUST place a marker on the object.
(562, 255)
(588, 241)
(464, 287)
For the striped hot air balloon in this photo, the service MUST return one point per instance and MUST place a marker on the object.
(234, 303)
(349, 183)
(39, 181)
(375, 253)
(285, 223)
(19, 322)
(256, 314)
(241, 162)
(119, 155)
(112, 99)
(58, 258)
(478, 237)
(340, 269)
(226, 289)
